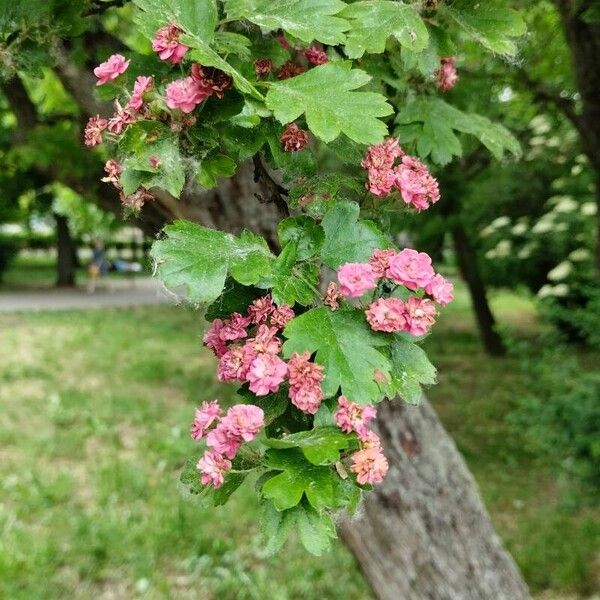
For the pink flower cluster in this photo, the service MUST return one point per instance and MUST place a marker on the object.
(408, 268)
(166, 44)
(256, 361)
(369, 463)
(111, 68)
(446, 74)
(409, 176)
(241, 424)
(185, 94)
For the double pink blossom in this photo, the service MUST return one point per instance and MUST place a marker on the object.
(356, 278)
(266, 373)
(233, 365)
(265, 340)
(410, 268)
(92, 134)
(113, 170)
(260, 309)
(420, 315)
(234, 328)
(386, 314)
(121, 119)
(446, 74)
(212, 338)
(352, 417)
(417, 186)
(140, 87)
(185, 94)
(316, 56)
(441, 289)
(110, 69)
(380, 261)
(370, 466)
(241, 424)
(206, 415)
(305, 379)
(166, 43)
(293, 138)
(282, 315)
(213, 467)
(379, 163)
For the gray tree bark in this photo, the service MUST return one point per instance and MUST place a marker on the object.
(424, 532)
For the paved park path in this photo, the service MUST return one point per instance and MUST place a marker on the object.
(109, 293)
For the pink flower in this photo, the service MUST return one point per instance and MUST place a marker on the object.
(316, 56)
(381, 182)
(307, 398)
(233, 365)
(93, 131)
(380, 261)
(263, 66)
(332, 296)
(386, 314)
(416, 185)
(140, 87)
(354, 417)
(205, 416)
(301, 371)
(260, 309)
(380, 157)
(441, 289)
(110, 69)
(154, 161)
(213, 467)
(166, 44)
(282, 315)
(410, 268)
(222, 441)
(185, 94)
(371, 440)
(136, 200)
(244, 421)
(420, 315)
(356, 279)
(210, 80)
(234, 328)
(212, 338)
(266, 373)
(293, 138)
(265, 340)
(120, 120)
(290, 69)
(370, 466)
(446, 74)
(112, 169)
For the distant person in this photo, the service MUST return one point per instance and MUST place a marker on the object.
(100, 265)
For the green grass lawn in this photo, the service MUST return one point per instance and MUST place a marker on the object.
(93, 433)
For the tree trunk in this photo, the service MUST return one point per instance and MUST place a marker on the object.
(424, 532)
(584, 40)
(65, 247)
(467, 263)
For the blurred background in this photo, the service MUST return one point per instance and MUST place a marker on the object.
(100, 371)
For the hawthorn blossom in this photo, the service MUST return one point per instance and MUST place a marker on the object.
(282, 315)
(354, 417)
(136, 200)
(113, 170)
(301, 371)
(307, 398)
(420, 315)
(92, 134)
(386, 314)
(222, 441)
(122, 118)
(213, 467)
(185, 94)
(410, 268)
(260, 309)
(417, 186)
(370, 466)
(356, 279)
(212, 338)
(263, 66)
(234, 328)
(166, 43)
(316, 56)
(290, 69)
(110, 69)
(381, 182)
(265, 340)
(379, 163)
(446, 74)
(371, 440)
(233, 365)
(206, 415)
(380, 261)
(293, 138)
(214, 81)
(332, 296)
(266, 373)
(441, 289)
(244, 421)
(140, 87)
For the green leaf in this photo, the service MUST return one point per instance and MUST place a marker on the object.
(308, 234)
(273, 405)
(200, 259)
(142, 140)
(316, 530)
(298, 477)
(374, 21)
(491, 26)
(229, 42)
(410, 369)
(214, 167)
(307, 20)
(320, 445)
(348, 239)
(432, 123)
(197, 17)
(293, 165)
(427, 61)
(326, 96)
(275, 526)
(345, 346)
